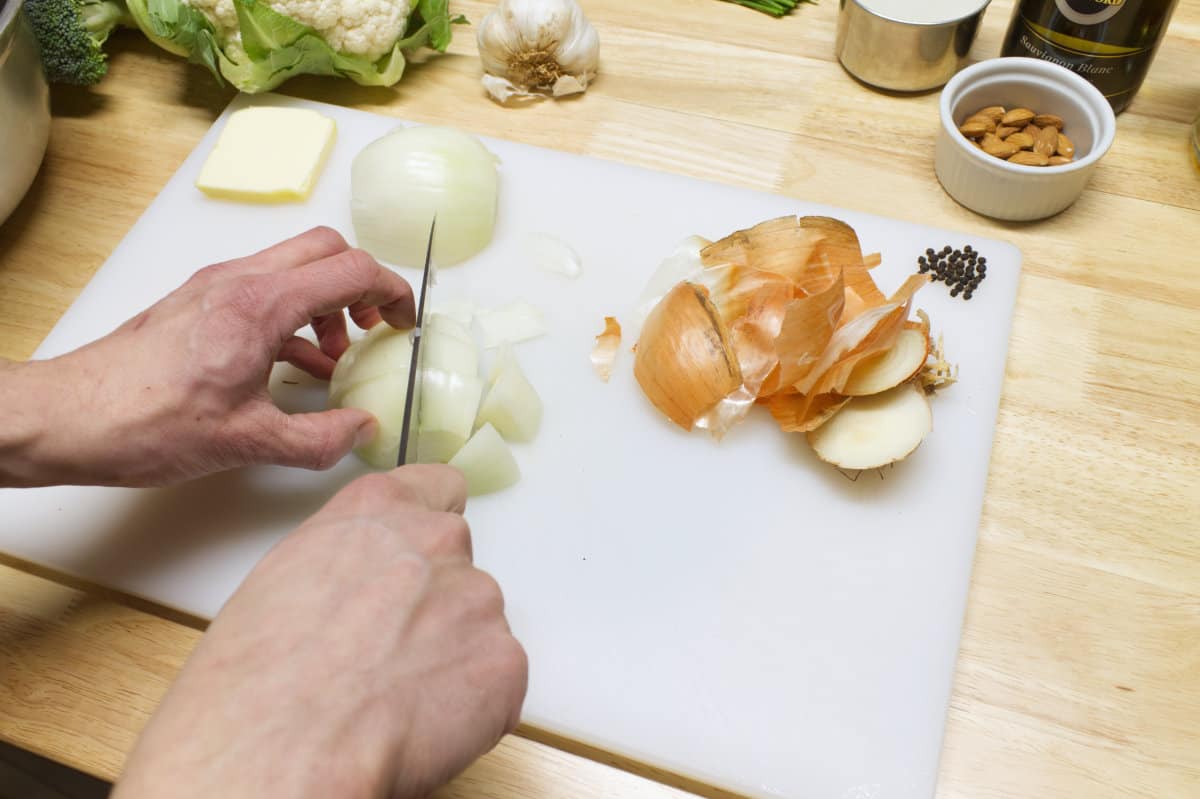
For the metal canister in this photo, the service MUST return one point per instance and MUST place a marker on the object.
(905, 52)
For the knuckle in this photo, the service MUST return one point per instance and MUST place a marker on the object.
(484, 593)
(243, 298)
(371, 486)
(452, 533)
(510, 668)
(407, 571)
(357, 265)
(209, 275)
(327, 237)
(324, 449)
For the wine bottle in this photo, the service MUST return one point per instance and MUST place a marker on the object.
(1109, 42)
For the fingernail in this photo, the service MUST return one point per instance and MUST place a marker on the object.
(365, 433)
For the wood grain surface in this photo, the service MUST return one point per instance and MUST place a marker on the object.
(1079, 673)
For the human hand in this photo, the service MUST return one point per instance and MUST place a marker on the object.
(364, 656)
(180, 390)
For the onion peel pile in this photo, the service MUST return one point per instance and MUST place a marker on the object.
(786, 314)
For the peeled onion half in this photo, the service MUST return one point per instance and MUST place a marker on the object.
(398, 183)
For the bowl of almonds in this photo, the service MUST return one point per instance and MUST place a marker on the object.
(1020, 137)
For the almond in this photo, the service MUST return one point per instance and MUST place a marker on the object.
(1029, 158)
(999, 147)
(1059, 160)
(988, 122)
(1046, 142)
(1023, 140)
(1065, 147)
(1017, 117)
(1004, 131)
(992, 112)
(1048, 121)
(973, 129)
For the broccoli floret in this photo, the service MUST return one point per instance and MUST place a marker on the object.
(71, 35)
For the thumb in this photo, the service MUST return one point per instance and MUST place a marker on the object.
(318, 440)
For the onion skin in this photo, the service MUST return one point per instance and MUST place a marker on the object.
(685, 362)
(796, 413)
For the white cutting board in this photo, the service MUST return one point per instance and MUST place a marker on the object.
(736, 612)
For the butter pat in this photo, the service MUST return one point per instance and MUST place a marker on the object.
(268, 155)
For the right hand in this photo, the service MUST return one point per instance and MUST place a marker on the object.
(363, 656)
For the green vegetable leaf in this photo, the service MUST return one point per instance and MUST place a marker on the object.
(429, 25)
(180, 29)
(274, 47)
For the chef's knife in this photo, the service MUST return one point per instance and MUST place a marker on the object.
(412, 403)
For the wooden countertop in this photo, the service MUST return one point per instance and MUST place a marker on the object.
(1079, 672)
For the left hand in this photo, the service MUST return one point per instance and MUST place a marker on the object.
(180, 390)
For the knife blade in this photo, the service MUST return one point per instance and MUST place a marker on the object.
(412, 402)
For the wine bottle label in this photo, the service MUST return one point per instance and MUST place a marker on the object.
(1089, 12)
(1109, 42)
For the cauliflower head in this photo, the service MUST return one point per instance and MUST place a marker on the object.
(258, 44)
(366, 28)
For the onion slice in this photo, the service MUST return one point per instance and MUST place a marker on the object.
(487, 462)
(552, 254)
(896, 365)
(515, 322)
(870, 432)
(604, 354)
(685, 362)
(510, 405)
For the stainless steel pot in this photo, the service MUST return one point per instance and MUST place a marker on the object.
(24, 107)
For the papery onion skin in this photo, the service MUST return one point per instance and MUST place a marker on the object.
(797, 414)
(608, 343)
(685, 362)
(401, 181)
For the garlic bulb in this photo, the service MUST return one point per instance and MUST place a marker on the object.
(532, 47)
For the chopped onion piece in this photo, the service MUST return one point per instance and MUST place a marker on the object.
(448, 347)
(891, 367)
(449, 403)
(400, 182)
(551, 254)
(510, 405)
(486, 462)
(516, 322)
(874, 431)
(604, 354)
(461, 311)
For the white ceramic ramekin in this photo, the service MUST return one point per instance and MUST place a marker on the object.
(1002, 190)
